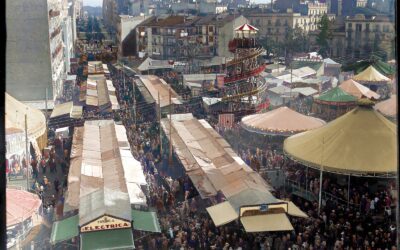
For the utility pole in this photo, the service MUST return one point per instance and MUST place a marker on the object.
(170, 128)
(26, 152)
(291, 83)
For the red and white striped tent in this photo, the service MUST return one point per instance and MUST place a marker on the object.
(246, 27)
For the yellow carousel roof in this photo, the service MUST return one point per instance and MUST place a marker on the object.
(370, 74)
(282, 120)
(361, 142)
(15, 117)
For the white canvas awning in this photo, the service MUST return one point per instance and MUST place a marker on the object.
(266, 223)
(222, 213)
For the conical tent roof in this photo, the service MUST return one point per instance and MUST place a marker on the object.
(246, 27)
(282, 120)
(388, 107)
(335, 95)
(15, 117)
(354, 88)
(361, 142)
(370, 74)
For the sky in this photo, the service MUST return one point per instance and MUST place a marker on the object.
(93, 3)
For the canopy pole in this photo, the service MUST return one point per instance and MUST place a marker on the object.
(306, 180)
(27, 152)
(159, 122)
(170, 128)
(320, 191)
(348, 193)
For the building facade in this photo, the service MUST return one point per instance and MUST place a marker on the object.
(182, 38)
(274, 25)
(34, 55)
(126, 33)
(366, 35)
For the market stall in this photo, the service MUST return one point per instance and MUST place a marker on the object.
(215, 170)
(99, 191)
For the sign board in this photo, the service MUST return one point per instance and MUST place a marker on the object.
(105, 223)
(263, 208)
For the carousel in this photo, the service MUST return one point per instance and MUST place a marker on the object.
(374, 80)
(16, 112)
(361, 143)
(333, 103)
(23, 213)
(388, 108)
(274, 126)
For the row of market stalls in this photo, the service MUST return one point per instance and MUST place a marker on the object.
(97, 94)
(220, 175)
(104, 183)
(156, 92)
(65, 115)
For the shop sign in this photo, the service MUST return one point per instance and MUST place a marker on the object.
(105, 223)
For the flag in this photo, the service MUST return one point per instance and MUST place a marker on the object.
(226, 120)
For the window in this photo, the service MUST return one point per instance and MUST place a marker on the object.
(367, 27)
(211, 39)
(269, 30)
(386, 28)
(377, 27)
(269, 22)
(350, 25)
(210, 29)
(358, 27)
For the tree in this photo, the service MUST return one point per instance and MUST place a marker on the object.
(324, 36)
(295, 41)
(270, 46)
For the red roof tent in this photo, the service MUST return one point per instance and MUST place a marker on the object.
(20, 205)
(246, 27)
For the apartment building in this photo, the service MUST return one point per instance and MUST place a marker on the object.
(34, 54)
(181, 37)
(366, 35)
(126, 33)
(275, 24)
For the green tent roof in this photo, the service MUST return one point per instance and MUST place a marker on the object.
(336, 95)
(64, 229)
(383, 68)
(145, 221)
(109, 239)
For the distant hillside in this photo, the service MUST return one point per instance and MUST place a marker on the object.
(93, 11)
